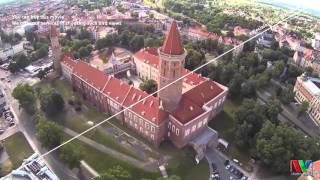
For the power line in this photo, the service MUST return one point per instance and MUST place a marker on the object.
(182, 77)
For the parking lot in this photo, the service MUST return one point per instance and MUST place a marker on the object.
(224, 168)
(6, 117)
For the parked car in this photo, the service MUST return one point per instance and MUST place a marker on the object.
(244, 178)
(1, 129)
(228, 166)
(214, 167)
(227, 162)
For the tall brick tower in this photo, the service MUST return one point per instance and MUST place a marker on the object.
(172, 56)
(56, 50)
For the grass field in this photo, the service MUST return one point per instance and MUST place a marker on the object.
(101, 162)
(78, 121)
(17, 148)
(183, 163)
(225, 124)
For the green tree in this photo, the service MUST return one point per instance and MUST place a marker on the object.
(274, 108)
(303, 108)
(149, 86)
(137, 42)
(51, 102)
(18, 62)
(125, 37)
(116, 173)
(194, 59)
(84, 52)
(26, 97)
(277, 145)
(49, 133)
(71, 155)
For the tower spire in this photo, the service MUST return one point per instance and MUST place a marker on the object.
(56, 51)
(172, 45)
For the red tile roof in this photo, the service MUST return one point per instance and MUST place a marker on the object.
(192, 78)
(203, 93)
(116, 89)
(69, 61)
(91, 75)
(149, 108)
(307, 53)
(149, 56)
(172, 45)
(187, 110)
(205, 34)
(192, 101)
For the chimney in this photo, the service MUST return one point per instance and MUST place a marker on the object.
(161, 105)
(191, 108)
(143, 113)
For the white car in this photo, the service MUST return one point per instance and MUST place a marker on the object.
(228, 166)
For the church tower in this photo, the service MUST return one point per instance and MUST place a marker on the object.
(172, 57)
(56, 50)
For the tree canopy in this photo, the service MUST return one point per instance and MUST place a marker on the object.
(49, 133)
(26, 97)
(72, 155)
(51, 102)
(149, 86)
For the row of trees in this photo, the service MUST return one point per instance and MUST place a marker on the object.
(213, 17)
(131, 38)
(49, 133)
(13, 38)
(273, 143)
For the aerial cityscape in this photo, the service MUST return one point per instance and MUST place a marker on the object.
(159, 90)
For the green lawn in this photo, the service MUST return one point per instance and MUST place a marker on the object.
(181, 160)
(17, 148)
(225, 123)
(100, 162)
(78, 121)
(183, 163)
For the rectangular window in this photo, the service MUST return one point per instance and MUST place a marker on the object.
(153, 129)
(152, 136)
(199, 124)
(193, 128)
(205, 120)
(173, 128)
(169, 125)
(177, 132)
(187, 132)
(147, 125)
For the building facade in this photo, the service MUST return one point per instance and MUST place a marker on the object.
(308, 89)
(179, 114)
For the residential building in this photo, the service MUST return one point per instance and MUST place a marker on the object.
(308, 89)
(316, 42)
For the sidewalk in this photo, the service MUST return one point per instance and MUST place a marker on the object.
(111, 152)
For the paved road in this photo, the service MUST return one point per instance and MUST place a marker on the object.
(25, 124)
(305, 124)
(218, 158)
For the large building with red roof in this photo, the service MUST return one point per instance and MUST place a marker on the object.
(185, 103)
